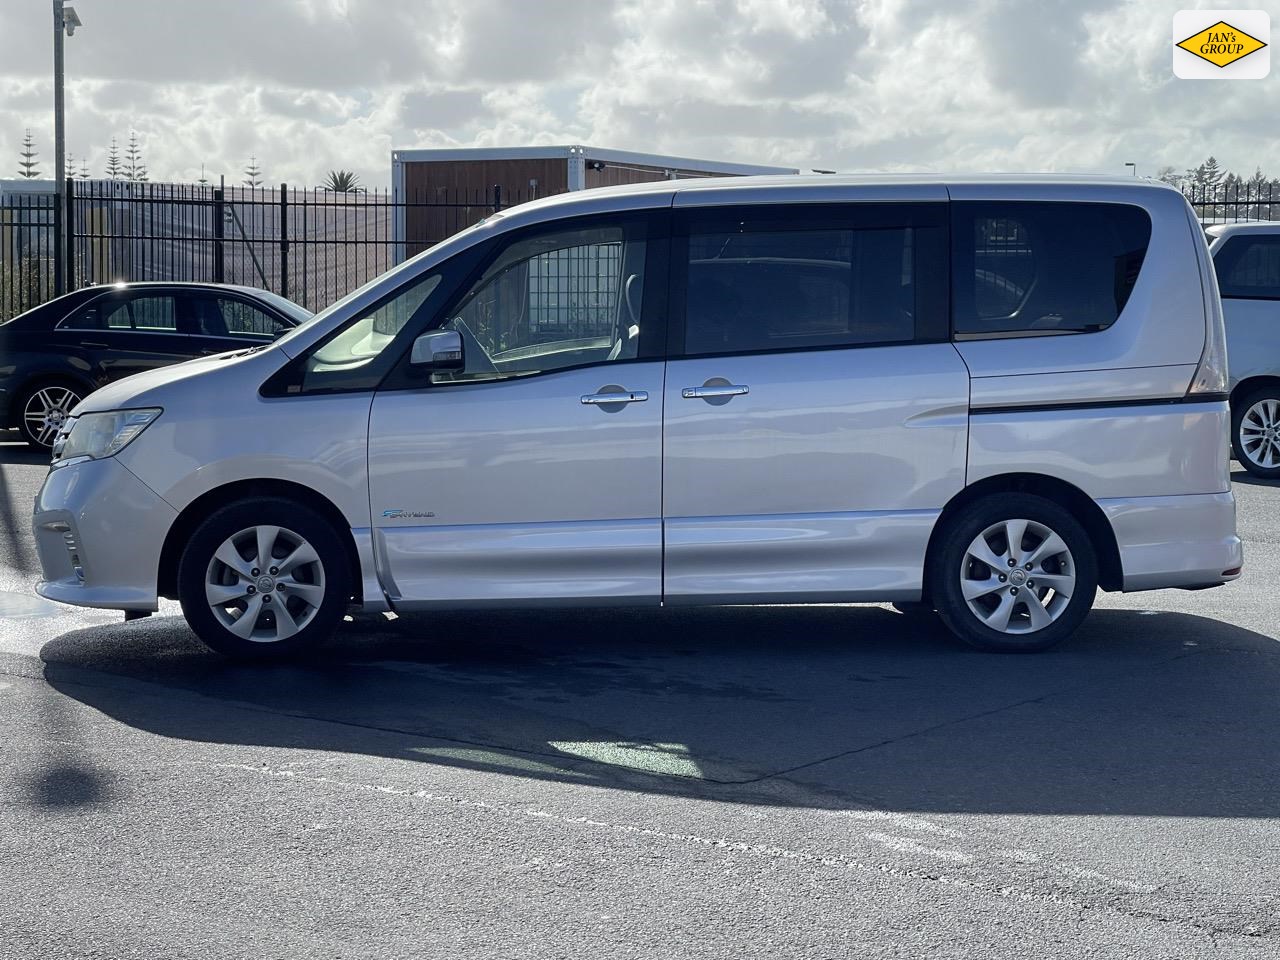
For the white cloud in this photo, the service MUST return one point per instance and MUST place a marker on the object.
(310, 85)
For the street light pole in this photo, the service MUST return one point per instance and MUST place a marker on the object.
(59, 149)
(64, 18)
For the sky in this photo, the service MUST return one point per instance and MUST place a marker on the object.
(308, 86)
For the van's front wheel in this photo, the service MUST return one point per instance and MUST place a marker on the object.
(1014, 573)
(264, 579)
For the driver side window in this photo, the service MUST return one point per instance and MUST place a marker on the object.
(550, 302)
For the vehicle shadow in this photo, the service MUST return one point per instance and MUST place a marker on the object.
(1159, 714)
(1244, 476)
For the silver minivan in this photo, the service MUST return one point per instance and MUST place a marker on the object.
(984, 397)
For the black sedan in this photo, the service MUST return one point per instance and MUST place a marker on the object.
(54, 355)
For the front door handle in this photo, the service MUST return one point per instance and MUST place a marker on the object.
(626, 396)
(716, 390)
(92, 343)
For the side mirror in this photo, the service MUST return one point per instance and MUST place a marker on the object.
(438, 350)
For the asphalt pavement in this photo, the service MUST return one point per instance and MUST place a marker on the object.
(835, 781)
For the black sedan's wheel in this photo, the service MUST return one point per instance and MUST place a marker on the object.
(1255, 432)
(264, 580)
(45, 408)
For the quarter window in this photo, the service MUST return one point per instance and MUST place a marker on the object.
(773, 288)
(1026, 268)
(1249, 268)
(359, 355)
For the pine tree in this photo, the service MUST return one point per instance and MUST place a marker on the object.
(115, 169)
(1256, 188)
(134, 168)
(84, 169)
(69, 171)
(1213, 173)
(29, 165)
(203, 181)
(252, 173)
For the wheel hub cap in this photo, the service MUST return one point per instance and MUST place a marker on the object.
(265, 607)
(47, 411)
(1260, 433)
(1017, 576)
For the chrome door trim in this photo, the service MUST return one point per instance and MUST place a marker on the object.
(725, 390)
(630, 396)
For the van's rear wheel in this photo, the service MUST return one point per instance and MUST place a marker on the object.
(264, 579)
(1255, 432)
(1014, 573)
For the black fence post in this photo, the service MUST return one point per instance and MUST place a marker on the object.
(69, 236)
(219, 231)
(497, 197)
(284, 240)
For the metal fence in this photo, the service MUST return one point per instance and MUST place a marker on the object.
(1232, 202)
(26, 251)
(312, 246)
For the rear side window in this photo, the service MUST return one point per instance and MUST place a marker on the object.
(151, 314)
(1023, 268)
(807, 280)
(1249, 268)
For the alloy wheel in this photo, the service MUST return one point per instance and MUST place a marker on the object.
(46, 411)
(1017, 576)
(265, 583)
(1260, 433)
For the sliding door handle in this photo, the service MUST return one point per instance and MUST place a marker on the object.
(627, 396)
(716, 390)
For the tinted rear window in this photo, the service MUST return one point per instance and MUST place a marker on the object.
(1023, 267)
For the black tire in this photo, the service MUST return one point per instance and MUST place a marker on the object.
(1238, 411)
(327, 587)
(951, 561)
(42, 439)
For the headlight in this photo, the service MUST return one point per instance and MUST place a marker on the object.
(97, 435)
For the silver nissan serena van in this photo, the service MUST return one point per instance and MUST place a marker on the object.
(987, 397)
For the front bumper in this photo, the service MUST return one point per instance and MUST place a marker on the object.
(99, 531)
(1186, 541)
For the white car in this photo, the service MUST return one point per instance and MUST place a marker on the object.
(986, 397)
(1246, 257)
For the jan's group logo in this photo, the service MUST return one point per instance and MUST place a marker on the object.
(1221, 44)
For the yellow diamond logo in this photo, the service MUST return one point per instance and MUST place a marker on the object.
(1221, 44)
